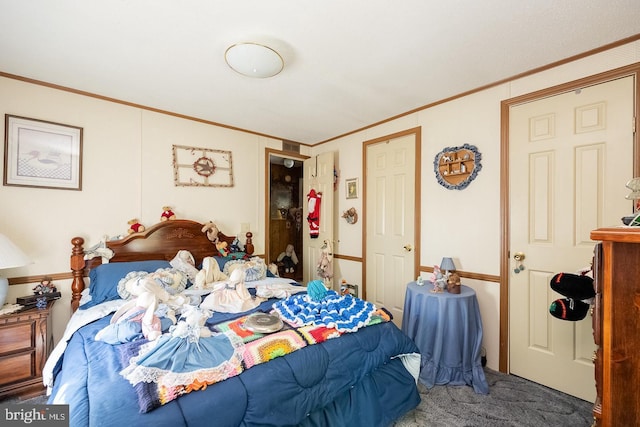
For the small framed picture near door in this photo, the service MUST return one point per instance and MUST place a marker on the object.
(44, 154)
(352, 188)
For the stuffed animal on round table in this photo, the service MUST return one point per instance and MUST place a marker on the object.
(438, 279)
(135, 226)
(288, 259)
(167, 214)
(453, 283)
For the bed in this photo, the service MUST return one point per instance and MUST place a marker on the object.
(365, 377)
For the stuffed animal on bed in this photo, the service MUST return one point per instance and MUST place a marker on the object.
(167, 214)
(235, 246)
(222, 247)
(135, 226)
(192, 324)
(211, 231)
(209, 274)
(147, 295)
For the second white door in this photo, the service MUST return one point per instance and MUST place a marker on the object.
(390, 221)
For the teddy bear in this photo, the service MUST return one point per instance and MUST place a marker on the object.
(135, 226)
(211, 231)
(453, 283)
(167, 214)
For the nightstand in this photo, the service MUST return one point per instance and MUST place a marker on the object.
(25, 343)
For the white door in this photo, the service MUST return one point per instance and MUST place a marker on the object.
(390, 222)
(570, 157)
(318, 175)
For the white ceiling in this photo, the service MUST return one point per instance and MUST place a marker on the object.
(348, 63)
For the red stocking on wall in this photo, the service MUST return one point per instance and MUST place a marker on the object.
(314, 199)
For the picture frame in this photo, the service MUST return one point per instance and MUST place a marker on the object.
(202, 167)
(351, 186)
(39, 153)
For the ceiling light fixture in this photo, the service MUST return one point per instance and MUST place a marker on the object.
(254, 60)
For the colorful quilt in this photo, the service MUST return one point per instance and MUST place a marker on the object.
(245, 348)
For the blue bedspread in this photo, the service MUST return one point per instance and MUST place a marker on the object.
(347, 381)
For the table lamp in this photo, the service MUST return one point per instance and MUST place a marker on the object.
(447, 265)
(10, 256)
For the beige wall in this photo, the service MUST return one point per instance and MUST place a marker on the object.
(128, 173)
(462, 224)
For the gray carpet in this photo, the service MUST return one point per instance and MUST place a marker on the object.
(38, 400)
(512, 402)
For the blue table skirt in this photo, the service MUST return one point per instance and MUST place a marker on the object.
(447, 328)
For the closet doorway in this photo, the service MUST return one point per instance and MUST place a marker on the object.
(284, 219)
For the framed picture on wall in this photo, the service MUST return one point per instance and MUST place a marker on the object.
(202, 167)
(352, 188)
(39, 153)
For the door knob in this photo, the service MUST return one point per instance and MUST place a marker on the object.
(518, 257)
(408, 248)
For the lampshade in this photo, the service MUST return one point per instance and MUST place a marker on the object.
(447, 264)
(10, 255)
(254, 60)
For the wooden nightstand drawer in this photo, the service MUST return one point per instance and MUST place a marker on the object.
(25, 339)
(16, 367)
(16, 337)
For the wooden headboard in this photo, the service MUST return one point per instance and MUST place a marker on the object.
(161, 241)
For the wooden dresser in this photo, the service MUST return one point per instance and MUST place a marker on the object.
(24, 347)
(616, 326)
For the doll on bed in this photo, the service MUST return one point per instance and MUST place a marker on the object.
(188, 358)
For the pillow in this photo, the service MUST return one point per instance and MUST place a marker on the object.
(255, 268)
(103, 280)
(171, 280)
(222, 260)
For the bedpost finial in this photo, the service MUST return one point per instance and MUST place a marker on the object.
(248, 247)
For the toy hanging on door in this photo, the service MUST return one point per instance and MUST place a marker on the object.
(325, 263)
(314, 199)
